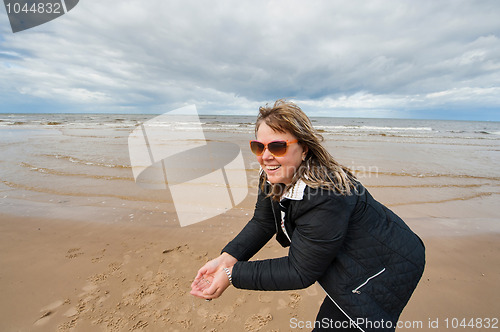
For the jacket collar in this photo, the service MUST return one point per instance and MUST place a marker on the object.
(296, 192)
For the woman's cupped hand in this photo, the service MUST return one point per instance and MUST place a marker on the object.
(211, 280)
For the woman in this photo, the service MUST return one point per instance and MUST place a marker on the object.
(364, 256)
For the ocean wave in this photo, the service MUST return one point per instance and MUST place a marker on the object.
(350, 127)
(61, 173)
(85, 162)
(373, 128)
(435, 175)
(52, 191)
(446, 200)
(487, 132)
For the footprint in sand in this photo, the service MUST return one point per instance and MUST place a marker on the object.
(293, 302)
(68, 326)
(218, 318)
(239, 301)
(185, 323)
(99, 256)
(139, 325)
(174, 255)
(257, 322)
(144, 291)
(73, 253)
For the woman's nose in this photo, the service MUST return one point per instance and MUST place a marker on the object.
(266, 155)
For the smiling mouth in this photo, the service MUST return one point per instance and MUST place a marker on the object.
(273, 168)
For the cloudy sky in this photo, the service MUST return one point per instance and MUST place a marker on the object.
(394, 59)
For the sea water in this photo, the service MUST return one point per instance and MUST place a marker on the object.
(78, 165)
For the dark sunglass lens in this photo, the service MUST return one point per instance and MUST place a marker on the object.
(257, 147)
(277, 148)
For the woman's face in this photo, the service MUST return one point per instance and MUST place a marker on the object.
(279, 169)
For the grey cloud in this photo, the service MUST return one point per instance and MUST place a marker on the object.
(153, 54)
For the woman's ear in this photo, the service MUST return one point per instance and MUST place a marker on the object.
(305, 150)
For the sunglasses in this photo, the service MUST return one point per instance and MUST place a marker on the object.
(277, 148)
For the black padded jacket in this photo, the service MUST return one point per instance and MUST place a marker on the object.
(363, 255)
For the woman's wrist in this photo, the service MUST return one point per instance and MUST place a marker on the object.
(227, 260)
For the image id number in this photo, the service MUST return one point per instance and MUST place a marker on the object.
(477, 323)
(36, 8)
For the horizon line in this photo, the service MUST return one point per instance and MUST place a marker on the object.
(251, 115)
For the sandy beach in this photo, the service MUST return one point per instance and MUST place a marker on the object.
(82, 248)
(61, 276)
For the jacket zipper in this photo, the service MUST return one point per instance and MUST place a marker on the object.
(275, 221)
(357, 291)
(345, 313)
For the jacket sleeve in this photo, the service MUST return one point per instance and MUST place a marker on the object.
(320, 231)
(257, 232)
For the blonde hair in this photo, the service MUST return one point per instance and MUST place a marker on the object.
(319, 169)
